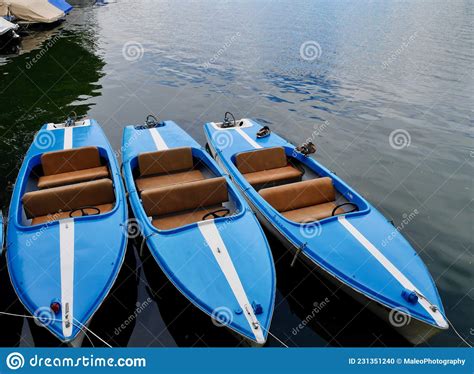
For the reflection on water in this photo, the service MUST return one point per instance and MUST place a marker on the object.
(381, 67)
(44, 85)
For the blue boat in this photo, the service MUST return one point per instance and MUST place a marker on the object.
(328, 225)
(66, 239)
(199, 229)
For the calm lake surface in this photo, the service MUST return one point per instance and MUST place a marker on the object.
(384, 89)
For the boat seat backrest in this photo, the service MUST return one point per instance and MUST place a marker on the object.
(72, 177)
(186, 196)
(70, 160)
(167, 161)
(300, 194)
(67, 198)
(262, 159)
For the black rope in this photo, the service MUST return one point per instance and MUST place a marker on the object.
(226, 123)
(356, 208)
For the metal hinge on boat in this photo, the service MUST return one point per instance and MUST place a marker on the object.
(300, 249)
(255, 323)
(433, 307)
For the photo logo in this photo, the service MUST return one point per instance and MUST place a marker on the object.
(44, 140)
(44, 316)
(223, 139)
(15, 361)
(310, 229)
(399, 139)
(132, 228)
(310, 50)
(133, 51)
(222, 316)
(399, 317)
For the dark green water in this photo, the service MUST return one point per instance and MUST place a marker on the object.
(382, 67)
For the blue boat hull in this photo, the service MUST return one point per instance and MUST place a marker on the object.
(39, 270)
(360, 252)
(224, 265)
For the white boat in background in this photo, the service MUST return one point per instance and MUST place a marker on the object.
(35, 11)
(7, 27)
(8, 35)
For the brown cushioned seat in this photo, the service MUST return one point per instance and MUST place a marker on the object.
(71, 177)
(188, 202)
(264, 166)
(177, 220)
(284, 174)
(168, 179)
(56, 203)
(304, 201)
(71, 166)
(167, 161)
(312, 213)
(165, 168)
(70, 160)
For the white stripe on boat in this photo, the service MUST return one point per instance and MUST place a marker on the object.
(68, 137)
(157, 138)
(66, 256)
(216, 244)
(244, 135)
(392, 269)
